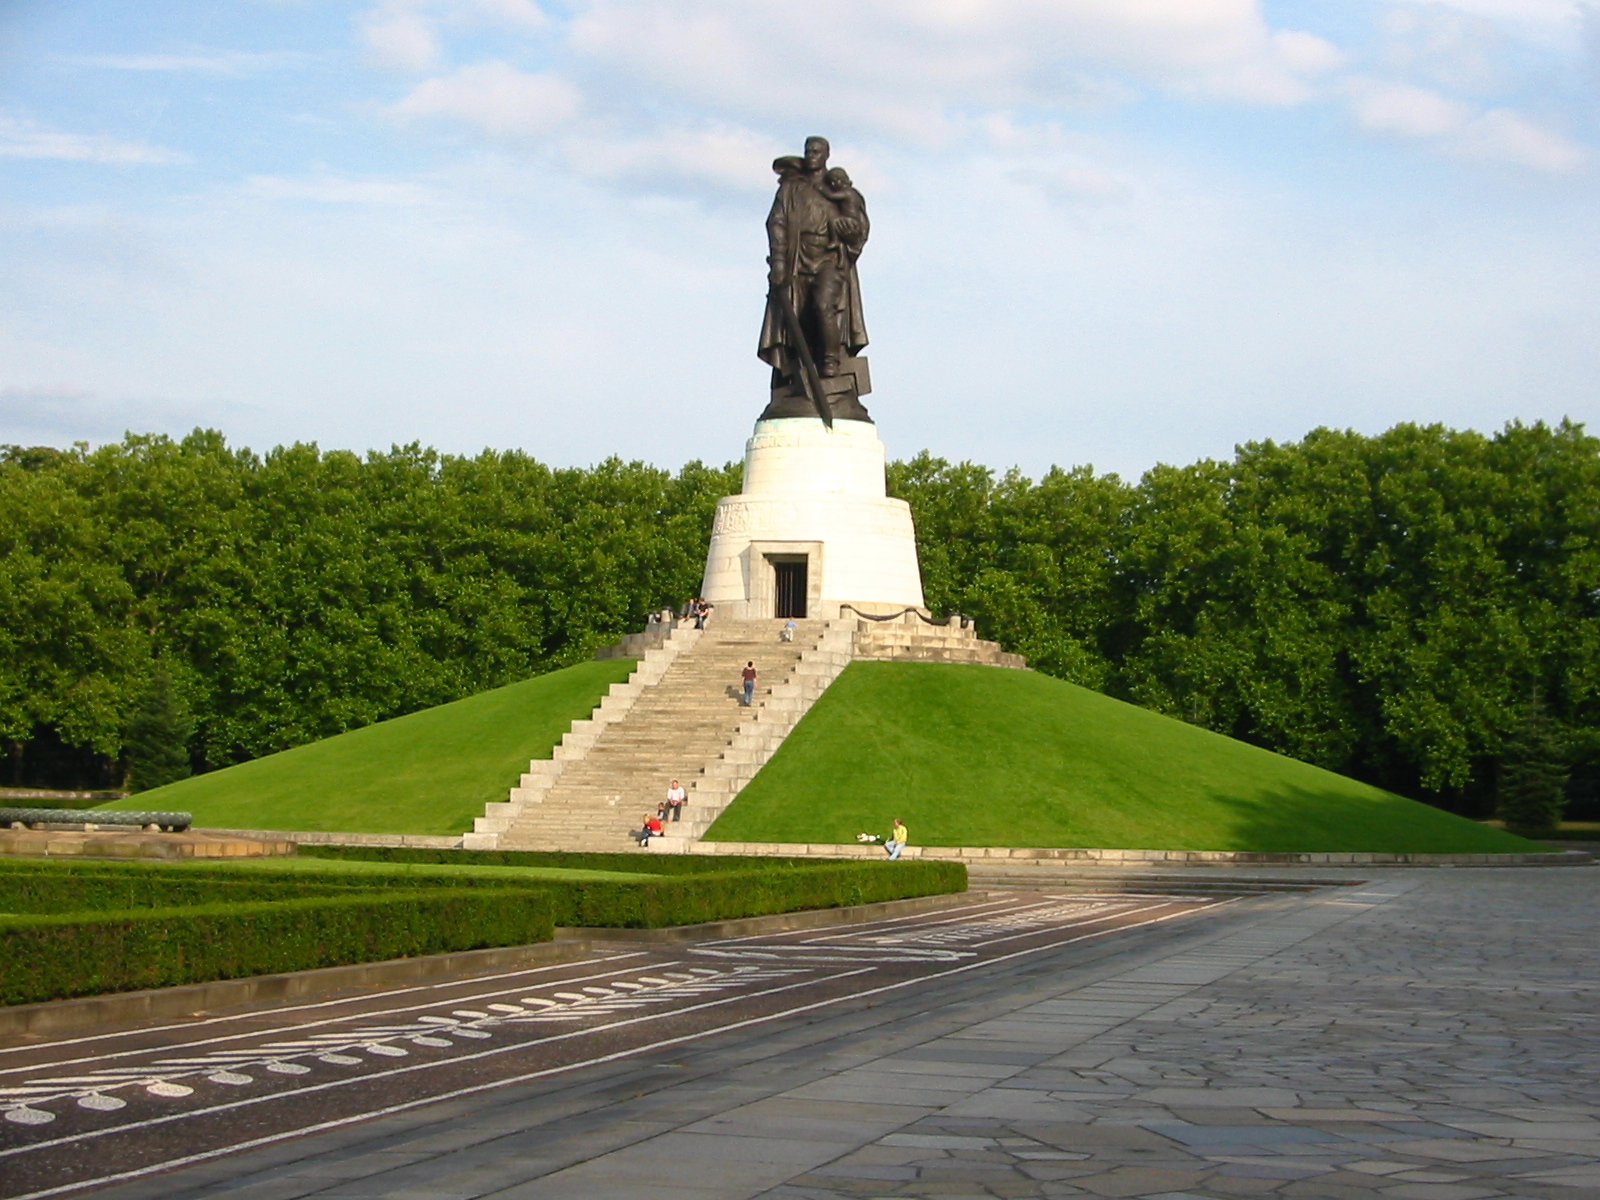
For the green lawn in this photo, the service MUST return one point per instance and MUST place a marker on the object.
(429, 772)
(330, 870)
(978, 756)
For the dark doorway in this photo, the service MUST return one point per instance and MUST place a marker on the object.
(791, 588)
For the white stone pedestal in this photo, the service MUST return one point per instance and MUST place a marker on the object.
(813, 496)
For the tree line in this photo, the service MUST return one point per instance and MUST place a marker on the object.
(1414, 608)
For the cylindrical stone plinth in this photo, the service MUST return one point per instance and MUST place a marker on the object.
(814, 497)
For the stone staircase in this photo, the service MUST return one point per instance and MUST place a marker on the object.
(757, 738)
(678, 717)
(544, 773)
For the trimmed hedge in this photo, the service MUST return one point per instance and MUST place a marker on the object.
(81, 892)
(753, 887)
(726, 895)
(78, 954)
(136, 925)
(732, 887)
(631, 863)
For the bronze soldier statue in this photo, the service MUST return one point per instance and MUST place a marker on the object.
(814, 332)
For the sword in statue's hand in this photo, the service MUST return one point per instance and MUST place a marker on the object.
(810, 380)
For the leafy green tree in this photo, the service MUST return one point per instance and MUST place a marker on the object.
(1533, 773)
(1378, 605)
(157, 743)
(1034, 563)
(72, 653)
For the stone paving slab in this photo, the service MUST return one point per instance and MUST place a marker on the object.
(1434, 1035)
(1438, 1045)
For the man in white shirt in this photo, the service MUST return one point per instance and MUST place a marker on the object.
(676, 799)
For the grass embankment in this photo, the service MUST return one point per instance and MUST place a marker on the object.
(976, 756)
(429, 772)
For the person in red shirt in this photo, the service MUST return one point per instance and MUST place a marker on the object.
(652, 828)
(749, 677)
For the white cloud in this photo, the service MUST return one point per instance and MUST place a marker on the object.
(230, 62)
(1542, 20)
(904, 66)
(400, 37)
(1441, 46)
(1076, 183)
(496, 97)
(330, 189)
(1504, 136)
(1405, 109)
(25, 139)
(405, 33)
(717, 157)
(1499, 135)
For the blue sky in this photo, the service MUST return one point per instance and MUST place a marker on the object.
(1104, 231)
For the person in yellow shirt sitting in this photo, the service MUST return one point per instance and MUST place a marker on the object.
(897, 840)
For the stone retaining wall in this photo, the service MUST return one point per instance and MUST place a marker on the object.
(989, 854)
(1129, 858)
(425, 841)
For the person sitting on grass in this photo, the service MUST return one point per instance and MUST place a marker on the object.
(897, 840)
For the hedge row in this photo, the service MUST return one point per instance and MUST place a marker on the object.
(85, 891)
(78, 954)
(723, 896)
(734, 887)
(633, 863)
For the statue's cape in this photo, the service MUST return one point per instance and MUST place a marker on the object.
(775, 349)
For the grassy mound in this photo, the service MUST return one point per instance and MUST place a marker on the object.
(976, 756)
(429, 772)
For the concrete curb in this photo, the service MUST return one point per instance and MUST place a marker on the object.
(982, 855)
(123, 1009)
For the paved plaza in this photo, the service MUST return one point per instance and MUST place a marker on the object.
(1427, 1035)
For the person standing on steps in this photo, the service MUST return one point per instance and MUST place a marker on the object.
(676, 799)
(749, 677)
(897, 840)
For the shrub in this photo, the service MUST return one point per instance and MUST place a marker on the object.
(157, 740)
(76, 954)
(86, 891)
(723, 896)
(1533, 775)
(722, 890)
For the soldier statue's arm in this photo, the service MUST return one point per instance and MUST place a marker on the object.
(778, 242)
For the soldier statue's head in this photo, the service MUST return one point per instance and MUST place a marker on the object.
(817, 150)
